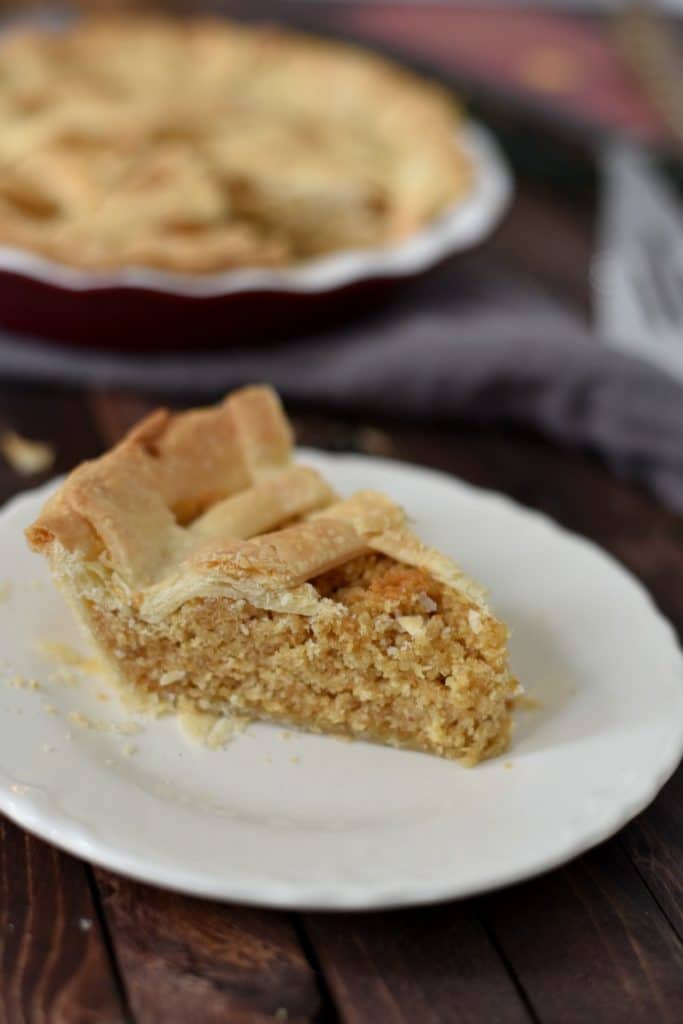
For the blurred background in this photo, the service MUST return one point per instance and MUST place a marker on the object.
(561, 312)
(531, 343)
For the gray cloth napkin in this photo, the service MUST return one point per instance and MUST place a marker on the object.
(469, 342)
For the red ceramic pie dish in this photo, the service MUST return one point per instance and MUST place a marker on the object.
(137, 308)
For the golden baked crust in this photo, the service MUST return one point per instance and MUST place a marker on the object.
(196, 551)
(201, 145)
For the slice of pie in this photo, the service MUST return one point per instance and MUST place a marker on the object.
(215, 573)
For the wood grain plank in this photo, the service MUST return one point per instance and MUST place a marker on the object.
(430, 965)
(186, 959)
(654, 842)
(590, 943)
(54, 965)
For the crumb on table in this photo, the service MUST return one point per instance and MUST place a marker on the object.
(24, 456)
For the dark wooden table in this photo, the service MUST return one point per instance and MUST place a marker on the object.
(597, 941)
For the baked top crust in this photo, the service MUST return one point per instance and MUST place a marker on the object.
(209, 502)
(200, 144)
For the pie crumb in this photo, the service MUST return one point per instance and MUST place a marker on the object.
(65, 654)
(18, 681)
(122, 729)
(427, 603)
(64, 675)
(25, 456)
(212, 731)
(168, 678)
(99, 725)
(375, 442)
(81, 720)
(474, 619)
(5, 592)
(525, 703)
(412, 624)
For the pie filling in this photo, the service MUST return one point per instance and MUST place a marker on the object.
(391, 655)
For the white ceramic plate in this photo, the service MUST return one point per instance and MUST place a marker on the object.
(308, 821)
(465, 224)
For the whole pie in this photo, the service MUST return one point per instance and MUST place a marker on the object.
(201, 145)
(213, 572)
